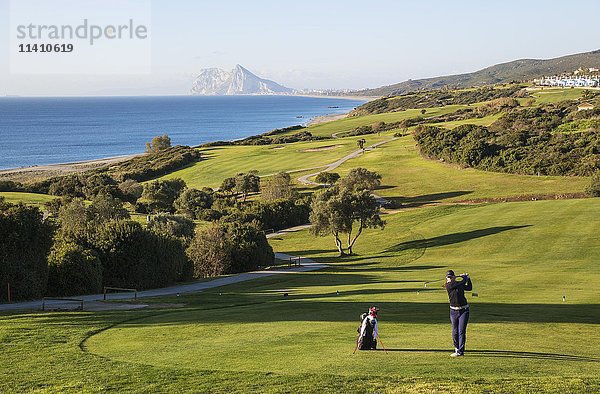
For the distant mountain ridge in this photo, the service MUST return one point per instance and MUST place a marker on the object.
(517, 70)
(239, 81)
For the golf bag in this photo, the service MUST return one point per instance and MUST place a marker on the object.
(365, 336)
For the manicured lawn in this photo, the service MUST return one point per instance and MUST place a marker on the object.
(350, 123)
(413, 179)
(523, 258)
(554, 95)
(223, 162)
(26, 198)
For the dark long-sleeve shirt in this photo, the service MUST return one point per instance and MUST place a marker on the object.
(456, 291)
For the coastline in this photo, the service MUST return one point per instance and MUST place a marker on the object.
(326, 118)
(64, 168)
(67, 168)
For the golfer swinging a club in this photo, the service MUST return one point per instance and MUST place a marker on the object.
(459, 309)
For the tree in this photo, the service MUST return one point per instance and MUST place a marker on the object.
(594, 187)
(135, 257)
(172, 226)
(105, 207)
(228, 185)
(360, 179)
(73, 270)
(246, 183)
(361, 144)
(192, 202)
(25, 241)
(337, 210)
(158, 144)
(327, 178)
(131, 190)
(159, 196)
(278, 187)
(378, 127)
(223, 248)
(210, 252)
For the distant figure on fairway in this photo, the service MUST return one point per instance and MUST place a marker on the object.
(459, 309)
(368, 330)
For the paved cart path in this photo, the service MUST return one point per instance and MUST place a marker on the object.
(93, 301)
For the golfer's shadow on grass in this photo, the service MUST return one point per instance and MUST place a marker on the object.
(505, 353)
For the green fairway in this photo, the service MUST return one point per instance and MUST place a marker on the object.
(227, 161)
(554, 95)
(26, 198)
(520, 255)
(414, 180)
(523, 257)
(352, 122)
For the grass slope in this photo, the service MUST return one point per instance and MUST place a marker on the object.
(26, 198)
(522, 337)
(227, 161)
(414, 180)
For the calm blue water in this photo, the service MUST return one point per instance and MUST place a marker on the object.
(36, 131)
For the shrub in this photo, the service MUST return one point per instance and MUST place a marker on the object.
(327, 178)
(192, 202)
(10, 186)
(134, 257)
(278, 186)
(158, 144)
(159, 196)
(131, 190)
(73, 270)
(25, 241)
(224, 248)
(594, 187)
(175, 226)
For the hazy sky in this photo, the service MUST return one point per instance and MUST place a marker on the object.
(327, 43)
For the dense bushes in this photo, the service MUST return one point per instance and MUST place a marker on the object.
(146, 167)
(594, 187)
(514, 150)
(129, 254)
(327, 178)
(225, 248)
(73, 270)
(118, 180)
(25, 241)
(437, 98)
(159, 196)
(268, 139)
(274, 215)
(134, 257)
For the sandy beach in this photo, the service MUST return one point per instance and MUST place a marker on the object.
(49, 170)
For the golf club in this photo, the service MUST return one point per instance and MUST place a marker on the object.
(443, 279)
(382, 345)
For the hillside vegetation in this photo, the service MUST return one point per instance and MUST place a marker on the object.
(518, 70)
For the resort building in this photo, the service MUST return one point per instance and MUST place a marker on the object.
(568, 81)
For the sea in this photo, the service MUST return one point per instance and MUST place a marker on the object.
(51, 130)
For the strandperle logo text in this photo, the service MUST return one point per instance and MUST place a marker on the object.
(84, 31)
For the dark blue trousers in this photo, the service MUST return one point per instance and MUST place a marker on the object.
(459, 320)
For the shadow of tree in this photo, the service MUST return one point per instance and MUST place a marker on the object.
(417, 201)
(450, 239)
